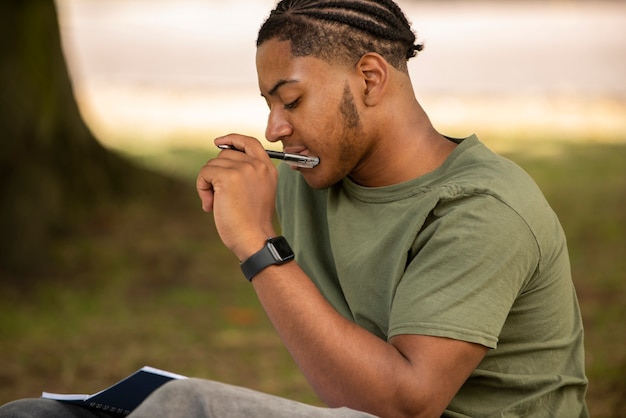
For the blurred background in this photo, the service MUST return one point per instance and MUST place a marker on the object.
(107, 262)
(153, 69)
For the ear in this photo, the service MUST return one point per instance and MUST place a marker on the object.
(374, 72)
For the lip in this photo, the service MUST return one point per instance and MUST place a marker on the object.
(296, 150)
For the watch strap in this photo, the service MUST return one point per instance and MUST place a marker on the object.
(264, 258)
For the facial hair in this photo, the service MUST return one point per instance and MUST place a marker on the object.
(351, 124)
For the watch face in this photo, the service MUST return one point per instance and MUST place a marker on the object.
(281, 247)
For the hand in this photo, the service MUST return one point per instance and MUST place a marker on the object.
(240, 189)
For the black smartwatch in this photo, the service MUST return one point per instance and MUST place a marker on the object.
(275, 252)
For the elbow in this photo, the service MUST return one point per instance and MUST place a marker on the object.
(415, 408)
(400, 406)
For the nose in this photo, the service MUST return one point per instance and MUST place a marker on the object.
(277, 126)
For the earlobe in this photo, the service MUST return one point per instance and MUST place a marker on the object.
(374, 70)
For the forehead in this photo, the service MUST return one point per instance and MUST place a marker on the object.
(276, 64)
(273, 57)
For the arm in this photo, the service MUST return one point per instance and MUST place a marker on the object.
(411, 375)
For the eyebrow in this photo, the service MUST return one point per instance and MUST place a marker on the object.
(279, 84)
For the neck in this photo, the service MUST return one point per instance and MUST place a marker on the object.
(403, 150)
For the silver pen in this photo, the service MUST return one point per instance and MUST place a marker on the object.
(297, 160)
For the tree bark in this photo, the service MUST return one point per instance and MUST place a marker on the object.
(52, 169)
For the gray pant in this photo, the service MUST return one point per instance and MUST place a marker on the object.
(188, 398)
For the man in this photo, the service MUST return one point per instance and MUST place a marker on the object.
(430, 276)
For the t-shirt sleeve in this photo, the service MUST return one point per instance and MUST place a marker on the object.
(468, 264)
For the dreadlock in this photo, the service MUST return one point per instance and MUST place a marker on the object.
(342, 30)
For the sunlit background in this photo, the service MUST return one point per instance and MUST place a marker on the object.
(171, 72)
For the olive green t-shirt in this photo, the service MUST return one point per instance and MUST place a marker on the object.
(471, 251)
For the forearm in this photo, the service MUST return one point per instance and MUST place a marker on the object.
(345, 364)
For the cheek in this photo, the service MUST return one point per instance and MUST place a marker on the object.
(321, 133)
(330, 131)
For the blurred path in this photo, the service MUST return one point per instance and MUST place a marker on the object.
(158, 67)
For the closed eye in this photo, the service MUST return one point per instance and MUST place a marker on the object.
(292, 105)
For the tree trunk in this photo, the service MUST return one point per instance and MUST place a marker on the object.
(52, 169)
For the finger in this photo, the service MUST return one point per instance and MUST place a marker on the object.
(207, 174)
(212, 176)
(205, 191)
(248, 145)
(206, 198)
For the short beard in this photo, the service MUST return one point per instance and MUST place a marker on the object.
(352, 122)
(348, 110)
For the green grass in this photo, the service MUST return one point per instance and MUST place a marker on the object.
(150, 283)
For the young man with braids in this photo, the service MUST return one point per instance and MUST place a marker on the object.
(430, 275)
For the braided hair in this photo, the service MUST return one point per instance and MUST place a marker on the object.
(343, 31)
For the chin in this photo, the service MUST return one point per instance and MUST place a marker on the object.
(318, 182)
